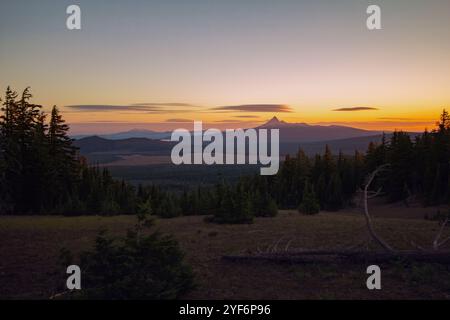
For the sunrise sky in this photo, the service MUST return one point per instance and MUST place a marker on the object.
(162, 64)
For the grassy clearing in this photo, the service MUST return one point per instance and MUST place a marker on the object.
(29, 247)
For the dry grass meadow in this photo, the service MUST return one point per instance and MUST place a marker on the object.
(29, 247)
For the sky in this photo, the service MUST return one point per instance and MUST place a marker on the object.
(163, 64)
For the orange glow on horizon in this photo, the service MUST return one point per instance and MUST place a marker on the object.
(375, 120)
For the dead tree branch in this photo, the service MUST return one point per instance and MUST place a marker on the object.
(367, 216)
(351, 255)
(436, 242)
(343, 256)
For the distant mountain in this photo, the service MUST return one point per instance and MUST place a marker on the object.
(138, 133)
(346, 146)
(134, 133)
(302, 132)
(274, 123)
(289, 132)
(311, 138)
(100, 150)
(95, 144)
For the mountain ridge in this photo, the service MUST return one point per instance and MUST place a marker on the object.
(303, 132)
(311, 138)
(288, 132)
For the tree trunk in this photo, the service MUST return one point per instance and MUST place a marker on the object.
(344, 256)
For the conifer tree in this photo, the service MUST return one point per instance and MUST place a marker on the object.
(335, 196)
(309, 204)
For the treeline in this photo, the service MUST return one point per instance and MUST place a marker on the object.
(226, 203)
(41, 171)
(417, 169)
(328, 181)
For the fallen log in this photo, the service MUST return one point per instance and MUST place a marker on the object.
(343, 256)
(350, 255)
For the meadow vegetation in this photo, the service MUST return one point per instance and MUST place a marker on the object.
(31, 246)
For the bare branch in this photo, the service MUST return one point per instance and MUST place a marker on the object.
(375, 194)
(417, 246)
(288, 245)
(436, 242)
(275, 247)
(372, 232)
(58, 295)
(345, 256)
(443, 242)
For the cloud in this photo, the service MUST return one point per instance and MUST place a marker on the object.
(165, 111)
(163, 104)
(175, 107)
(247, 117)
(356, 109)
(397, 119)
(104, 107)
(410, 126)
(229, 121)
(179, 120)
(255, 108)
(155, 108)
(102, 121)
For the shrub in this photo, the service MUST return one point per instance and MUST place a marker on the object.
(234, 207)
(136, 266)
(269, 208)
(169, 208)
(263, 205)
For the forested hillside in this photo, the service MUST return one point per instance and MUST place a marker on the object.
(41, 172)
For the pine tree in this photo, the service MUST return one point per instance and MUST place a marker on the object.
(184, 203)
(309, 204)
(18, 133)
(64, 164)
(400, 157)
(335, 197)
(40, 171)
(428, 186)
(321, 191)
(169, 208)
(39, 179)
(328, 163)
(436, 190)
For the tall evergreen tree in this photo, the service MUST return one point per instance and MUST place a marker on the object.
(309, 204)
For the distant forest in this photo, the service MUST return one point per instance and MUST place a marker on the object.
(41, 172)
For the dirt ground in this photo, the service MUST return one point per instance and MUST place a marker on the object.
(29, 247)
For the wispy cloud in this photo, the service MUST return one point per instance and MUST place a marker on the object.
(165, 104)
(384, 125)
(181, 120)
(255, 108)
(230, 121)
(247, 117)
(356, 109)
(178, 120)
(156, 108)
(105, 107)
(177, 107)
(396, 119)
